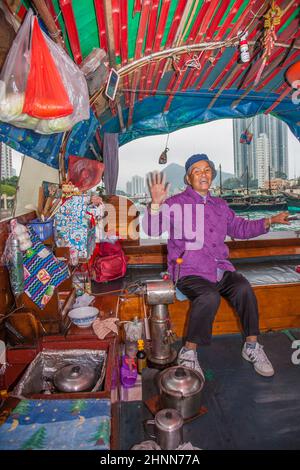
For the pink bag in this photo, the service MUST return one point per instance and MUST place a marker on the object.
(105, 266)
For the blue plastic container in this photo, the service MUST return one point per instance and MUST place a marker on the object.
(44, 230)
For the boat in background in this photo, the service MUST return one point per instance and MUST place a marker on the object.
(293, 200)
(236, 202)
(246, 201)
(255, 202)
(269, 202)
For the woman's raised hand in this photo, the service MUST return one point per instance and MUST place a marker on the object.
(158, 187)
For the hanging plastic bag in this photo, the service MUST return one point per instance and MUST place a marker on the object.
(23, 79)
(84, 173)
(44, 98)
(13, 258)
(96, 69)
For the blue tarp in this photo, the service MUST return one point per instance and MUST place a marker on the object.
(45, 148)
(191, 109)
(187, 109)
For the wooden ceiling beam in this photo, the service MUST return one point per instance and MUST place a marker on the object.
(230, 17)
(212, 5)
(49, 21)
(115, 11)
(149, 45)
(245, 18)
(144, 18)
(157, 70)
(194, 73)
(185, 13)
(271, 74)
(289, 34)
(124, 31)
(100, 17)
(109, 27)
(69, 19)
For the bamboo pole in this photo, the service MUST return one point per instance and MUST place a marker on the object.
(46, 16)
(111, 52)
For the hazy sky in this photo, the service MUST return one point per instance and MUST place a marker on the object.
(214, 138)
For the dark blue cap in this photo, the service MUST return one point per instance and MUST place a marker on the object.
(194, 159)
(197, 158)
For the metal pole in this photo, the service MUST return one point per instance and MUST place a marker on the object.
(247, 175)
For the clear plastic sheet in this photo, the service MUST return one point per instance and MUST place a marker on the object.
(134, 330)
(41, 371)
(14, 81)
(95, 68)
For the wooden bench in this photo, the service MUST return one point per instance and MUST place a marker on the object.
(279, 301)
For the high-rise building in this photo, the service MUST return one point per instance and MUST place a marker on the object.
(129, 188)
(6, 161)
(244, 154)
(138, 185)
(262, 159)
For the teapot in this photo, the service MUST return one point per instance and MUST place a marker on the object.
(168, 425)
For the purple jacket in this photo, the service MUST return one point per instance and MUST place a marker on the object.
(197, 229)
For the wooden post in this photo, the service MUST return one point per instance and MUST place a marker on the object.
(49, 21)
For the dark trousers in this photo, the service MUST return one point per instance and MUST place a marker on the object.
(205, 297)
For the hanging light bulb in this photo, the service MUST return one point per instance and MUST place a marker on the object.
(244, 49)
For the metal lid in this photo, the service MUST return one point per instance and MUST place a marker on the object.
(74, 378)
(181, 381)
(168, 420)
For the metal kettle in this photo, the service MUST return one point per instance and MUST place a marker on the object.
(74, 378)
(168, 424)
(181, 388)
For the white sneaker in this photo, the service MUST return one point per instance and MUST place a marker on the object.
(188, 358)
(259, 359)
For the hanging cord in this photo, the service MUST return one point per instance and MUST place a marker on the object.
(167, 141)
(255, 15)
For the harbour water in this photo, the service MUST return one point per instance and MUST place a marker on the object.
(294, 224)
(251, 215)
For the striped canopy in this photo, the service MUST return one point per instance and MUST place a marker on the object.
(180, 60)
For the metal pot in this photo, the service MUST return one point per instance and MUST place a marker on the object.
(74, 378)
(168, 425)
(181, 388)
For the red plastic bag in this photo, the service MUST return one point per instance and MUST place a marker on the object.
(22, 81)
(84, 173)
(45, 94)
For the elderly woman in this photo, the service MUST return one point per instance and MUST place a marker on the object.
(198, 261)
